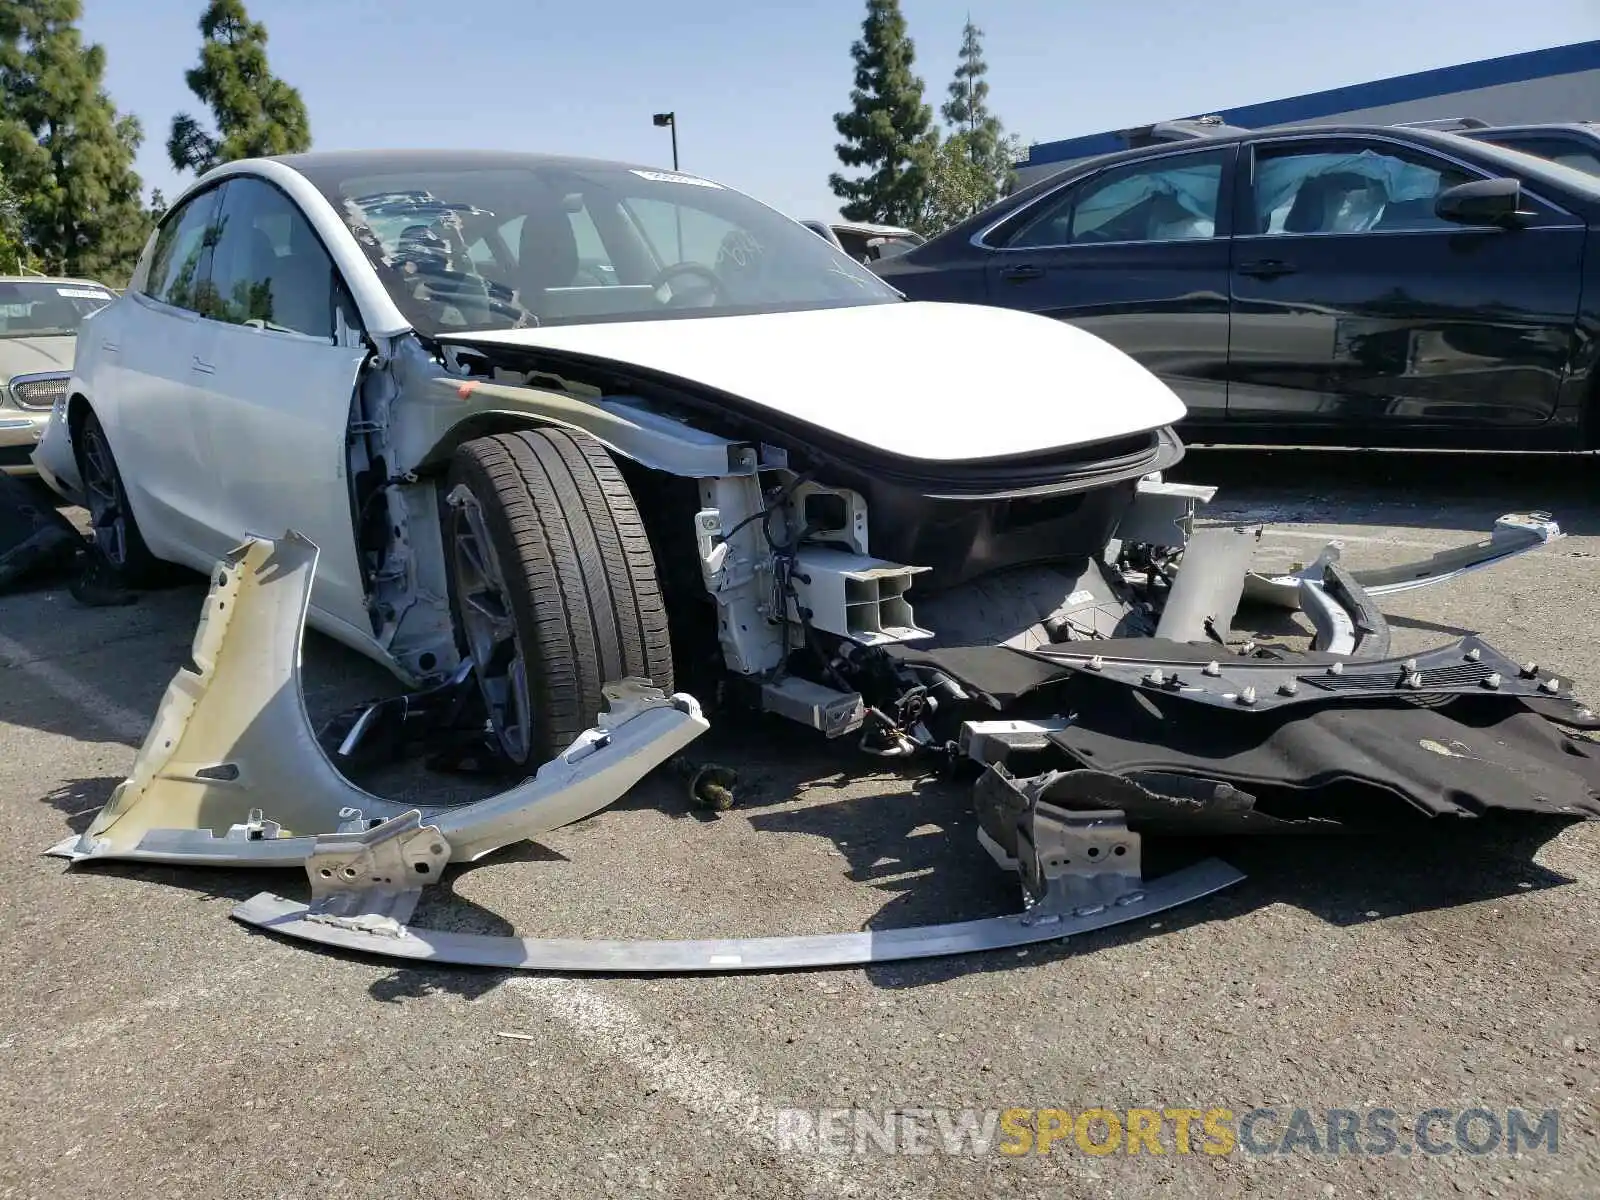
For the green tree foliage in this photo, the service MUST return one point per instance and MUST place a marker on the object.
(13, 256)
(967, 111)
(255, 112)
(64, 149)
(958, 184)
(888, 129)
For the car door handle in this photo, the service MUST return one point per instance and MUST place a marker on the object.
(1022, 273)
(203, 366)
(109, 347)
(1266, 268)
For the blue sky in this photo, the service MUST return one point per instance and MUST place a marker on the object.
(755, 87)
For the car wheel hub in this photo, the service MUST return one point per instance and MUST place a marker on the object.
(107, 512)
(490, 628)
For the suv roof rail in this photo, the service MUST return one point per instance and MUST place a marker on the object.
(1444, 123)
(1180, 130)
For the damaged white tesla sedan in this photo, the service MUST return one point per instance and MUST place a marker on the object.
(586, 432)
(583, 421)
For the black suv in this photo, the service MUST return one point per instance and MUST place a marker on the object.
(1356, 285)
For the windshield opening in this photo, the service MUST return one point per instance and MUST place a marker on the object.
(47, 308)
(505, 247)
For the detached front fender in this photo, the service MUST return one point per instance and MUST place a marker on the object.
(232, 774)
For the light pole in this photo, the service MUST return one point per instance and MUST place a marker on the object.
(669, 119)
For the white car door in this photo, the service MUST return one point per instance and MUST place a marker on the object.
(278, 388)
(137, 370)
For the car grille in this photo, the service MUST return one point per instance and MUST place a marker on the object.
(39, 392)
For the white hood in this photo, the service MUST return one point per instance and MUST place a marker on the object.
(921, 380)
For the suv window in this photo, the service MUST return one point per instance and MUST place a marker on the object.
(1339, 187)
(268, 268)
(1173, 198)
(1569, 152)
(176, 266)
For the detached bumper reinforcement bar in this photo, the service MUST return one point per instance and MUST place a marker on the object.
(1079, 871)
(278, 915)
(1513, 534)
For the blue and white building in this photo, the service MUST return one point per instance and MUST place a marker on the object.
(1558, 84)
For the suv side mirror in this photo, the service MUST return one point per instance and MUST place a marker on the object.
(1495, 202)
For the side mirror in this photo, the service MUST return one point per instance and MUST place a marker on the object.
(1496, 202)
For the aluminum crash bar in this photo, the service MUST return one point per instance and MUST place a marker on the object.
(1513, 534)
(1079, 872)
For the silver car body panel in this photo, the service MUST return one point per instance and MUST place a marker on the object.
(232, 774)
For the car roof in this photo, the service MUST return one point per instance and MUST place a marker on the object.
(326, 164)
(1591, 128)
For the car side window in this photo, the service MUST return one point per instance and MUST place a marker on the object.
(1349, 188)
(1173, 198)
(179, 261)
(268, 269)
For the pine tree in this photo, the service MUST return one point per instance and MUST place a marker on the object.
(12, 254)
(967, 111)
(255, 112)
(888, 128)
(64, 150)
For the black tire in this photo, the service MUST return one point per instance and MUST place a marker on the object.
(578, 576)
(113, 527)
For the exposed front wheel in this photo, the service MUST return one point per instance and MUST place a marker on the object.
(553, 585)
(116, 533)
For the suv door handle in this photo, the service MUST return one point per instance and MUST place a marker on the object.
(1266, 268)
(1022, 273)
(203, 367)
(109, 346)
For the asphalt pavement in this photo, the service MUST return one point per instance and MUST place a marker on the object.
(150, 1046)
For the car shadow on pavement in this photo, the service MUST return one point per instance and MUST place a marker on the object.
(1409, 488)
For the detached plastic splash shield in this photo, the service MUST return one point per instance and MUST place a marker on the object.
(231, 773)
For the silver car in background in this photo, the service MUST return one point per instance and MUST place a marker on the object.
(39, 321)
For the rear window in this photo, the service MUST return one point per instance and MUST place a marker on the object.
(48, 308)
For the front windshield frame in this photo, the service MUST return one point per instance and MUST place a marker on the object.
(444, 242)
(58, 297)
